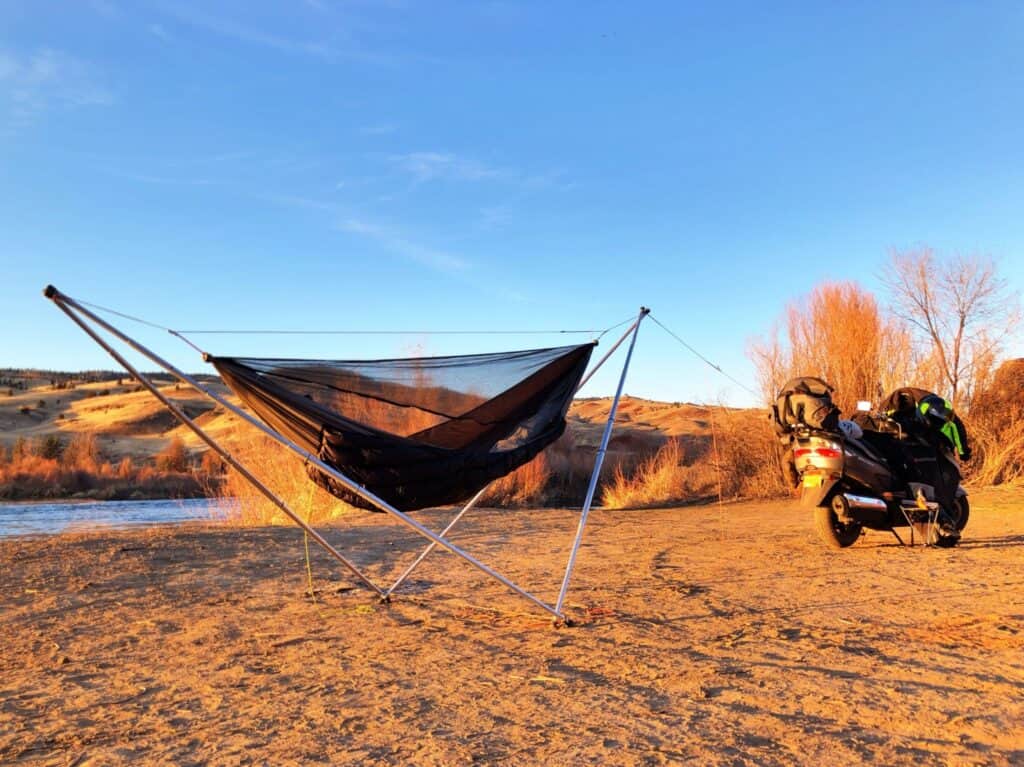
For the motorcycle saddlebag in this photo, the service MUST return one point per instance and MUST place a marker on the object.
(805, 401)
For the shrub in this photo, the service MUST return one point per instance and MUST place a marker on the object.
(126, 468)
(660, 479)
(739, 459)
(211, 464)
(51, 447)
(174, 457)
(22, 449)
(82, 452)
(285, 475)
(749, 455)
(995, 428)
(523, 487)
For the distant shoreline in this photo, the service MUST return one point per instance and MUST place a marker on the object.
(75, 499)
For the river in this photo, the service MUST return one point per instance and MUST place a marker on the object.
(52, 518)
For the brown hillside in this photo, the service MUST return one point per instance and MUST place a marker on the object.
(129, 421)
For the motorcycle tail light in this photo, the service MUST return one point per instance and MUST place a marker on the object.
(827, 452)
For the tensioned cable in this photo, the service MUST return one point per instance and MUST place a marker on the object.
(629, 319)
(704, 359)
(354, 332)
(141, 321)
(389, 332)
(123, 315)
(182, 333)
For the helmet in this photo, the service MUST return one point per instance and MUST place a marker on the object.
(935, 410)
(850, 429)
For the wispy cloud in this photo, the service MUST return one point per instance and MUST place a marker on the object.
(298, 201)
(455, 267)
(397, 243)
(33, 84)
(494, 216)
(425, 167)
(446, 263)
(431, 166)
(103, 8)
(158, 30)
(149, 178)
(333, 37)
(225, 27)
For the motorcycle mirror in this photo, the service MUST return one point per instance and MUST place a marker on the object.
(863, 406)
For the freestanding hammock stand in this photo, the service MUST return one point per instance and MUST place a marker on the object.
(83, 317)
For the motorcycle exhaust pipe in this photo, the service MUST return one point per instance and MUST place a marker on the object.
(863, 502)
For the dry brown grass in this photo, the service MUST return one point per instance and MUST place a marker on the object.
(660, 479)
(998, 445)
(283, 473)
(741, 460)
(995, 427)
(749, 455)
(48, 468)
(525, 486)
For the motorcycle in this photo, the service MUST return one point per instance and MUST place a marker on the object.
(871, 473)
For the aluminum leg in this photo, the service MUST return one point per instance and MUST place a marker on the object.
(401, 579)
(598, 462)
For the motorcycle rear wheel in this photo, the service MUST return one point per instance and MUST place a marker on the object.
(834, 533)
(957, 516)
(962, 512)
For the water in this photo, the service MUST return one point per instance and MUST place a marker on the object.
(52, 518)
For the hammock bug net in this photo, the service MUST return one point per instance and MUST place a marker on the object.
(416, 432)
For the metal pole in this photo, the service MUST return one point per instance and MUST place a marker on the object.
(608, 354)
(432, 546)
(644, 311)
(477, 497)
(55, 295)
(218, 449)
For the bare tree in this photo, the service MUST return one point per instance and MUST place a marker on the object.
(771, 361)
(961, 312)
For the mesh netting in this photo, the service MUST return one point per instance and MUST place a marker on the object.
(416, 432)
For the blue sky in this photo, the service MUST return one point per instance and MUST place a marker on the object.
(494, 165)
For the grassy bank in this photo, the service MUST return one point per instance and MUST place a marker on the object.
(52, 469)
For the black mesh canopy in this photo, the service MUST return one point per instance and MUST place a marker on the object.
(416, 432)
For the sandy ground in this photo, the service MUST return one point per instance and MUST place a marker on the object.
(706, 635)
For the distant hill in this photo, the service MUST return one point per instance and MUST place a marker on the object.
(128, 421)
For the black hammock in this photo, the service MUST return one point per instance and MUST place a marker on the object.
(416, 432)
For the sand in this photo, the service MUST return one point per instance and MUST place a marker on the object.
(706, 635)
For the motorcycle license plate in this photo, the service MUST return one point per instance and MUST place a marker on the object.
(813, 480)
